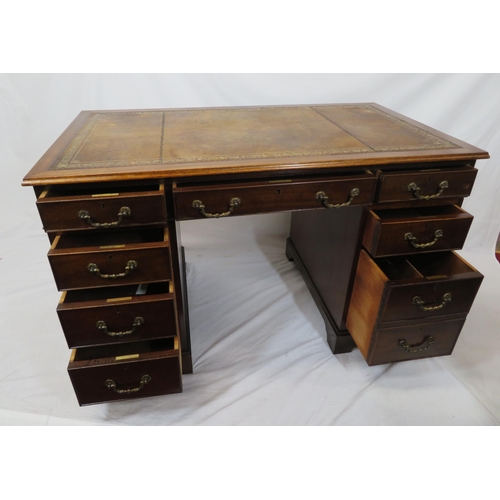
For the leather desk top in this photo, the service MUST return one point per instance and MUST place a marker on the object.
(175, 143)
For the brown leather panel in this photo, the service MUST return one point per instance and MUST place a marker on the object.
(117, 137)
(381, 131)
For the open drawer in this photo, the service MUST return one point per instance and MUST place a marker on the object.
(125, 371)
(400, 291)
(101, 316)
(103, 207)
(111, 258)
(416, 230)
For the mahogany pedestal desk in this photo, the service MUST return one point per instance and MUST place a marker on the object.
(376, 200)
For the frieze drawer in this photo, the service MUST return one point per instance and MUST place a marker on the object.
(102, 207)
(222, 200)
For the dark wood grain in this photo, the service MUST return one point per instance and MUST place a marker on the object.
(59, 209)
(393, 186)
(89, 370)
(327, 243)
(270, 196)
(70, 255)
(79, 317)
(385, 347)
(385, 230)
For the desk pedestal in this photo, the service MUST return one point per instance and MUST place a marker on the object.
(324, 244)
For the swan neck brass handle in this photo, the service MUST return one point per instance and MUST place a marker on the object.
(417, 348)
(101, 325)
(198, 204)
(418, 193)
(413, 241)
(445, 299)
(124, 212)
(94, 269)
(111, 384)
(323, 198)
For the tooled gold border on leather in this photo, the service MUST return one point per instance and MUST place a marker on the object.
(68, 158)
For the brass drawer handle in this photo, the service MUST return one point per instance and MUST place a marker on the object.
(101, 325)
(124, 212)
(413, 241)
(94, 269)
(111, 384)
(445, 299)
(417, 348)
(321, 196)
(417, 192)
(235, 202)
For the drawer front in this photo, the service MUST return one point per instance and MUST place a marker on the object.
(126, 257)
(425, 184)
(411, 342)
(408, 231)
(434, 298)
(109, 268)
(99, 322)
(101, 211)
(111, 379)
(209, 201)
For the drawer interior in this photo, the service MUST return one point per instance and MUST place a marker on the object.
(126, 349)
(424, 266)
(419, 212)
(439, 265)
(398, 268)
(110, 238)
(117, 293)
(53, 192)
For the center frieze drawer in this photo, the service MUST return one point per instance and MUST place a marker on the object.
(194, 201)
(101, 207)
(389, 292)
(415, 230)
(125, 371)
(117, 314)
(110, 258)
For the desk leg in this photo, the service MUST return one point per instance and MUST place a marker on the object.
(324, 244)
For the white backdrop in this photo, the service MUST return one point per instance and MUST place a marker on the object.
(266, 362)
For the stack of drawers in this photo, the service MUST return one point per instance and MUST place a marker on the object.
(110, 257)
(411, 291)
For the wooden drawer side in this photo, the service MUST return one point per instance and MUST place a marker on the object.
(368, 294)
